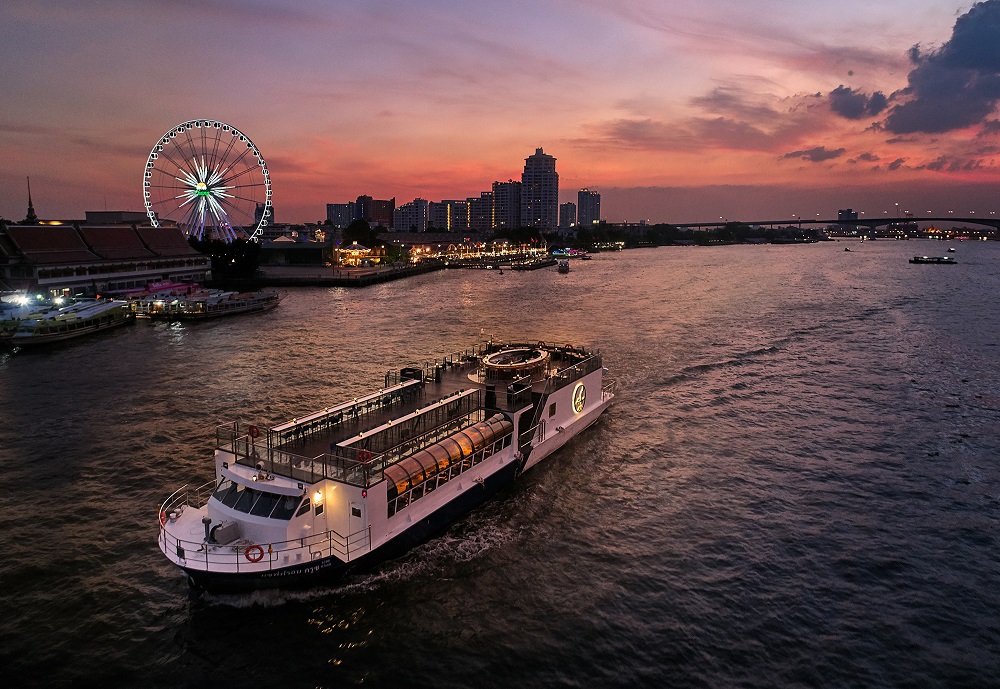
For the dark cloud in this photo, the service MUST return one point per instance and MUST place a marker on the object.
(990, 127)
(944, 163)
(957, 85)
(816, 155)
(869, 157)
(855, 105)
(896, 164)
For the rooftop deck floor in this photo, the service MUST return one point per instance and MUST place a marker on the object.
(453, 379)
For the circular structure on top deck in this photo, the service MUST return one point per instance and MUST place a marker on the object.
(511, 364)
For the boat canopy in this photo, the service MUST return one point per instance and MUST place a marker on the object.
(419, 467)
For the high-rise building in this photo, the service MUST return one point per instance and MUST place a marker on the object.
(588, 208)
(567, 215)
(411, 217)
(341, 215)
(506, 205)
(481, 212)
(375, 211)
(539, 191)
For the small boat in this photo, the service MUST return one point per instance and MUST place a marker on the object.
(69, 322)
(951, 249)
(847, 248)
(305, 501)
(933, 259)
(563, 265)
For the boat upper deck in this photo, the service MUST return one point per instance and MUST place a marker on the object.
(354, 441)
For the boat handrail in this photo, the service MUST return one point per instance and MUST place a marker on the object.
(276, 554)
(334, 466)
(328, 412)
(196, 497)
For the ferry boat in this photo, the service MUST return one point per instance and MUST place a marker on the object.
(359, 482)
(69, 322)
(203, 303)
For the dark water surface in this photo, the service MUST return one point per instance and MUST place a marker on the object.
(797, 486)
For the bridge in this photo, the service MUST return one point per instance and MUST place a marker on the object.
(871, 223)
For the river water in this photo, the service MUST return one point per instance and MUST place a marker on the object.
(797, 485)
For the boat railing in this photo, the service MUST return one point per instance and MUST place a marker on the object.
(246, 556)
(195, 497)
(417, 422)
(337, 466)
(575, 372)
(330, 417)
(415, 444)
(609, 389)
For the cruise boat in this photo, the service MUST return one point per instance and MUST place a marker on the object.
(203, 303)
(69, 322)
(355, 483)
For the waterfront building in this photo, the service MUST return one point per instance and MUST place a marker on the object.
(539, 191)
(588, 208)
(567, 215)
(81, 259)
(481, 212)
(411, 217)
(449, 215)
(459, 215)
(506, 205)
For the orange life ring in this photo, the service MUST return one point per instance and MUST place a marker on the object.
(364, 456)
(163, 518)
(251, 549)
(254, 432)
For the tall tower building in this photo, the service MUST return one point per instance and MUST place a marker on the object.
(540, 192)
(506, 205)
(588, 207)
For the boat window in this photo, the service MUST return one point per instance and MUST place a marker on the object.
(303, 508)
(246, 500)
(552, 409)
(224, 487)
(233, 495)
(285, 507)
(265, 503)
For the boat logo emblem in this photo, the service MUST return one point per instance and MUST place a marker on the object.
(579, 397)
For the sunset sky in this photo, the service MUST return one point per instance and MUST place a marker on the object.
(676, 112)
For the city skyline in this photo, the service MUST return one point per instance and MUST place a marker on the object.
(756, 109)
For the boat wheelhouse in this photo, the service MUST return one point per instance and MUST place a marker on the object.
(361, 481)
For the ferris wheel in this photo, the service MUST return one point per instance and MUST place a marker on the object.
(210, 179)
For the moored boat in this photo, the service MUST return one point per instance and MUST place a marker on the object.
(933, 259)
(347, 486)
(563, 265)
(69, 322)
(203, 303)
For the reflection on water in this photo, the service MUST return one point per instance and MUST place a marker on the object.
(796, 486)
